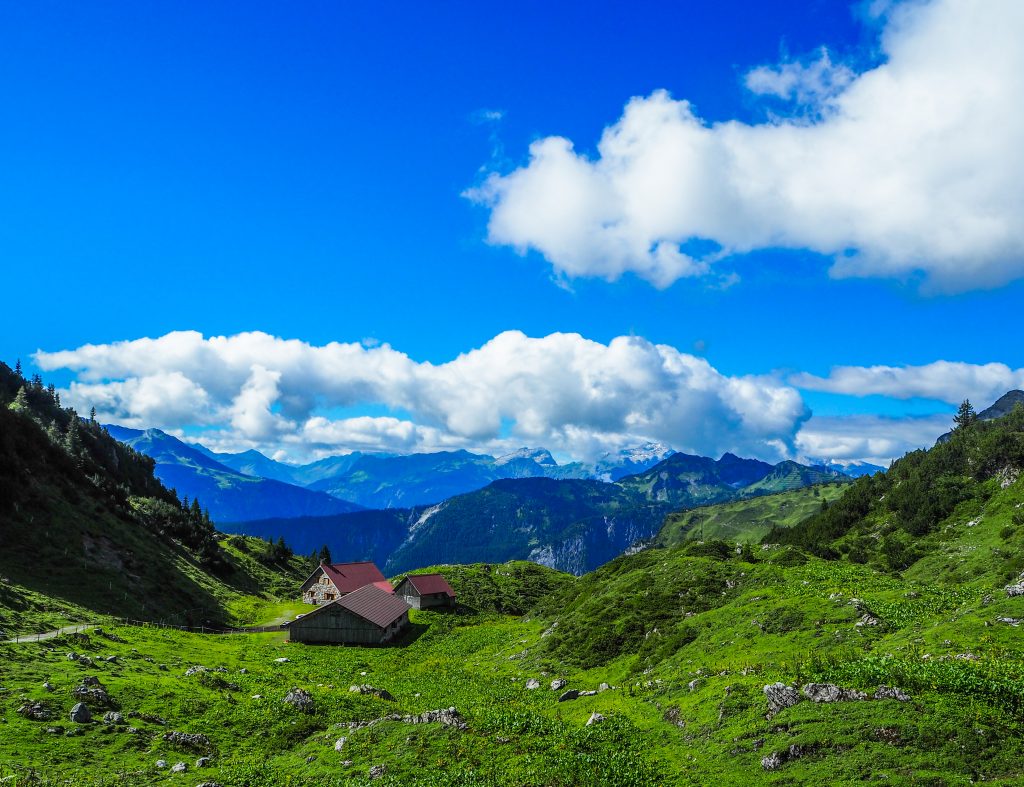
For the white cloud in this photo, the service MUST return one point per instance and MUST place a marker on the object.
(806, 83)
(945, 381)
(868, 438)
(570, 394)
(914, 167)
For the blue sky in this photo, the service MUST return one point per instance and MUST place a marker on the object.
(303, 172)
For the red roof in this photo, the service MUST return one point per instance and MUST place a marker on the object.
(373, 604)
(426, 584)
(352, 576)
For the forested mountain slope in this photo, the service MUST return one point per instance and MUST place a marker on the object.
(87, 529)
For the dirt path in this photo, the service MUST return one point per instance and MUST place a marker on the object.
(44, 635)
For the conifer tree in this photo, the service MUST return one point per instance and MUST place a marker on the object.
(20, 401)
(965, 416)
(17, 367)
(325, 554)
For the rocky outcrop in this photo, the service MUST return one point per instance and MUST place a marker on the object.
(775, 760)
(36, 711)
(195, 741)
(829, 692)
(780, 696)
(384, 694)
(95, 693)
(448, 717)
(301, 699)
(80, 713)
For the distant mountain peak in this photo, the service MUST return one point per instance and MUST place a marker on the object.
(539, 455)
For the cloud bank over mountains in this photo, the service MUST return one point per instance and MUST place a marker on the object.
(562, 391)
(913, 169)
(575, 396)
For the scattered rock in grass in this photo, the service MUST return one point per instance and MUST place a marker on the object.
(558, 683)
(532, 683)
(377, 771)
(282, 660)
(55, 730)
(571, 694)
(80, 713)
(340, 744)
(773, 761)
(694, 684)
(604, 687)
(187, 740)
(150, 717)
(113, 717)
(179, 767)
(776, 760)
(891, 693)
(208, 784)
(47, 686)
(780, 696)
(161, 764)
(595, 718)
(1015, 590)
(449, 717)
(92, 691)
(829, 692)
(674, 716)
(867, 619)
(195, 670)
(890, 735)
(587, 693)
(36, 711)
(549, 630)
(301, 699)
(203, 762)
(364, 688)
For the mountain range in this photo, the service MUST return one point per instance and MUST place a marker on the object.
(250, 485)
(574, 524)
(226, 493)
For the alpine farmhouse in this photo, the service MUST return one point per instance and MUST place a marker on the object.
(331, 581)
(367, 616)
(422, 591)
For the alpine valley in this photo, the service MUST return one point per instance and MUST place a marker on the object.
(701, 621)
(460, 507)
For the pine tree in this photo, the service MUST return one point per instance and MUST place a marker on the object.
(965, 416)
(92, 415)
(325, 554)
(17, 367)
(20, 401)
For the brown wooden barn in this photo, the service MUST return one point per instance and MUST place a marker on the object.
(331, 581)
(426, 590)
(367, 616)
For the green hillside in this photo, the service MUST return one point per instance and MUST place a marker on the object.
(885, 628)
(747, 520)
(88, 532)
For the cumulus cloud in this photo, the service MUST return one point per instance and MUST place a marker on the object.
(913, 168)
(869, 438)
(570, 394)
(945, 381)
